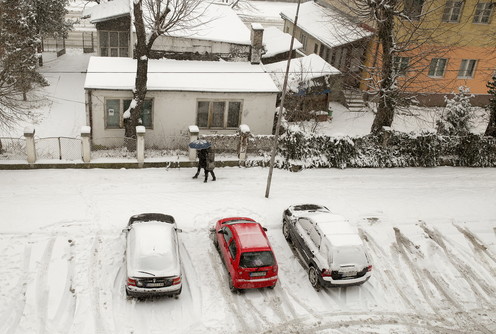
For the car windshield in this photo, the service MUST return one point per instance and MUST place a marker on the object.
(256, 259)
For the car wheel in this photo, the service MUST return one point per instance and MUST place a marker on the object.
(271, 287)
(216, 243)
(231, 285)
(313, 276)
(285, 231)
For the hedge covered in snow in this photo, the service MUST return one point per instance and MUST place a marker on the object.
(386, 149)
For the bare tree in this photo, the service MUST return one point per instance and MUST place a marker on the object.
(154, 18)
(408, 34)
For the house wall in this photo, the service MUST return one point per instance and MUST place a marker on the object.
(179, 46)
(173, 112)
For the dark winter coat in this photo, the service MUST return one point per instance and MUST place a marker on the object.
(202, 158)
(210, 159)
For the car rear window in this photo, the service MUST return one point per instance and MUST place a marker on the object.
(256, 259)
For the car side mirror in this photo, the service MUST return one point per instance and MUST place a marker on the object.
(125, 230)
(265, 229)
(221, 232)
(178, 230)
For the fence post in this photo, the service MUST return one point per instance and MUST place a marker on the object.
(140, 145)
(194, 131)
(85, 134)
(244, 134)
(30, 146)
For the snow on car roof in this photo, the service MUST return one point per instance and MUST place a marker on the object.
(336, 228)
(115, 73)
(153, 249)
(250, 235)
(153, 237)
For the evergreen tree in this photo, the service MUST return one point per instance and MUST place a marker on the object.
(18, 59)
(491, 126)
(457, 116)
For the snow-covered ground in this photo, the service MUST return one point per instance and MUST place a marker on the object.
(431, 234)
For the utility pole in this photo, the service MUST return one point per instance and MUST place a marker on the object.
(281, 106)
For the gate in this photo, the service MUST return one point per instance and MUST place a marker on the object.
(59, 148)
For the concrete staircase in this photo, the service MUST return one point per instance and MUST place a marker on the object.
(354, 100)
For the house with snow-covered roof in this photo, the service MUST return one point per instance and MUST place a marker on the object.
(330, 34)
(214, 32)
(312, 83)
(217, 96)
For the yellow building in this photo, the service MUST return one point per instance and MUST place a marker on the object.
(442, 45)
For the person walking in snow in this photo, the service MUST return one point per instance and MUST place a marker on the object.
(202, 163)
(210, 164)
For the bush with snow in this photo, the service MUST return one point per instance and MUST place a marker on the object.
(457, 115)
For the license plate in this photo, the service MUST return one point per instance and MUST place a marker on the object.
(258, 273)
(154, 285)
(349, 273)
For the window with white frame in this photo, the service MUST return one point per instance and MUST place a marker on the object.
(452, 11)
(400, 65)
(214, 114)
(114, 43)
(483, 11)
(437, 67)
(467, 68)
(115, 108)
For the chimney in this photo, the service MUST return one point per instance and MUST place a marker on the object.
(256, 43)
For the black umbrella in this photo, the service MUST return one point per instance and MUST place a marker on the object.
(199, 144)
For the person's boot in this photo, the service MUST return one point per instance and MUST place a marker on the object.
(196, 176)
(205, 180)
(213, 177)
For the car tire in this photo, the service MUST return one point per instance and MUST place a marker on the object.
(285, 231)
(231, 285)
(313, 276)
(271, 287)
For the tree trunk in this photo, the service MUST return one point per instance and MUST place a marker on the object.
(140, 85)
(491, 126)
(387, 89)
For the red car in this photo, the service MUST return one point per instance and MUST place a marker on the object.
(246, 252)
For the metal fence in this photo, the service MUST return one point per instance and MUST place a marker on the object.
(12, 148)
(60, 148)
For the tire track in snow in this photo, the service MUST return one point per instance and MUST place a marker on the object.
(474, 280)
(348, 320)
(462, 318)
(222, 277)
(11, 319)
(480, 249)
(379, 254)
(42, 286)
(94, 286)
(191, 275)
(67, 307)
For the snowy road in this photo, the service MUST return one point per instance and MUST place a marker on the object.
(431, 234)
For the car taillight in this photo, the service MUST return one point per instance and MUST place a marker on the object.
(326, 273)
(369, 268)
(131, 281)
(176, 280)
(274, 268)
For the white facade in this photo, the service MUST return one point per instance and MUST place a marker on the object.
(234, 93)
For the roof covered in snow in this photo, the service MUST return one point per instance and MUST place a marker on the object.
(209, 21)
(109, 10)
(327, 25)
(179, 75)
(301, 70)
(277, 42)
